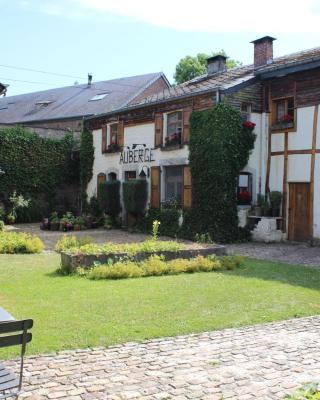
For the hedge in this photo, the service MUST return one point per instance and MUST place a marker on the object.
(135, 194)
(109, 197)
(33, 165)
(220, 142)
(168, 218)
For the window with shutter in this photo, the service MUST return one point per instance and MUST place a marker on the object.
(155, 187)
(158, 125)
(104, 139)
(187, 188)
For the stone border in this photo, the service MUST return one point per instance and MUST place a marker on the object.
(72, 261)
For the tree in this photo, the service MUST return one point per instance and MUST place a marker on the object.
(86, 161)
(189, 67)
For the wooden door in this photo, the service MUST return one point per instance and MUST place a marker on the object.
(299, 223)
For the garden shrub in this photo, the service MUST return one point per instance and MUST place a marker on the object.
(148, 246)
(1, 226)
(109, 197)
(231, 262)
(35, 172)
(14, 243)
(68, 242)
(86, 161)
(135, 194)
(168, 218)
(310, 391)
(155, 265)
(219, 141)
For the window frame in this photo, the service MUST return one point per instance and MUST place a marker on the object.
(112, 147)
(249, 188)
(165, 197)
(166, 136)
(278, 126)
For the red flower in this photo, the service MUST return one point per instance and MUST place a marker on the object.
(287, 118)
(244, 196)
(248, 125)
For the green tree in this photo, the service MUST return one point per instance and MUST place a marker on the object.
(191, 66)
(86, 161)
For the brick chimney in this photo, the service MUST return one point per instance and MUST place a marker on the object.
(263, 51)
(216, 64)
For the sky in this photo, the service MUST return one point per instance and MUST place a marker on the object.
(117, 38)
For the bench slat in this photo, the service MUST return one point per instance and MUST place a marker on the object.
(9, 385)
(14, 326)
(14, 340)
(7, 378)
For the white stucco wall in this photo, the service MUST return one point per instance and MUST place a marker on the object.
(299, 166)
(277, 142)
(302, 138)
(316, 201)
(276, 173)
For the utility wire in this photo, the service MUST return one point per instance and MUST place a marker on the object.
(42, 72)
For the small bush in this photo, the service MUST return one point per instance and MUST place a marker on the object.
(135, 194)
(109, 197)
(71, 242)
(156, 266)
(168, 218)
(1, 226)
(310, 391)
(14, 243)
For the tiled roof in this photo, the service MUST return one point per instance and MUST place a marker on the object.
(221, 80)
(290, 60)
(230, 78)
(74, 101)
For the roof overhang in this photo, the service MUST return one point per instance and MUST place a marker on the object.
(286, 70)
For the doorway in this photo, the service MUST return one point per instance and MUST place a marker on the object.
(299, 222)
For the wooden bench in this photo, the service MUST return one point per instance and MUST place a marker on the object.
(13, 333)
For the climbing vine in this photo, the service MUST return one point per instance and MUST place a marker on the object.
(220, 146)
(86, 160)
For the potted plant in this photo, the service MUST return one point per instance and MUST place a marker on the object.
(54, 221)
(45, 224)
(275, 201)
(79, 223)
(67, 221)
(244, 197)
(11, 218)
(265, 208)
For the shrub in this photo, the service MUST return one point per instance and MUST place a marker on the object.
(13, 242)
(168, 218)
(109, 197)
(86, 160)
(1, 226)
(156, 265)
(310, 391)
(135, 194)
(68, 242)
(37, 210)
(231, 262)
(94, 208)
(219, 141)
(148, 246)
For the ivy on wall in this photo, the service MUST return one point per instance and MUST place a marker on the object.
(86, 160)
(219, 149)
(33, 165)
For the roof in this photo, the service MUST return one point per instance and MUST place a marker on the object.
(204, 83)
(303, 59)
(74, 101)
(3, 88)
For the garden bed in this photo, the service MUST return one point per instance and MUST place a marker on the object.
(70, 261)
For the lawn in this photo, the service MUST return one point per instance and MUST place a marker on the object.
(74, 312)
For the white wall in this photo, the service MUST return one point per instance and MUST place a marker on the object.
(276, 173)
(299, 166)
(302, 138)
(316, 200)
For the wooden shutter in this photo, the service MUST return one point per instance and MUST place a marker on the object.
(120, 134)
(104, 139)
(158, 135)
(155, 187)
(187, 189)
(186, 130)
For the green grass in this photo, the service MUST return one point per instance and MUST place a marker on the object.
(73, 312)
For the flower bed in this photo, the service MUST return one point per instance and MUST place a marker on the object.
(15, 243)
(156, 265)
(86, 255)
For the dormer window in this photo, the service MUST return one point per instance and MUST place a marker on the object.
(43, 103)
(99, 96)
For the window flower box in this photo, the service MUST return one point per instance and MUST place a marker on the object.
(173, 140)
(113, 148)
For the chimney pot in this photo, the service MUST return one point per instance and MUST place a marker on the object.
(89, 79)
(216, 64)
(263, 51)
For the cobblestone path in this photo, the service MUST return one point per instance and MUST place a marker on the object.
(257, 362)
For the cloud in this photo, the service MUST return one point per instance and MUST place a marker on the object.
(200, 16)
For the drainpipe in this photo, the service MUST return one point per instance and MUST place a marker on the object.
(218, 96)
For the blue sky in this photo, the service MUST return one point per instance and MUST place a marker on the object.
(121, 38)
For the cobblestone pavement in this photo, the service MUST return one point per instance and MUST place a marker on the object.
(287, 252)
(257, 362)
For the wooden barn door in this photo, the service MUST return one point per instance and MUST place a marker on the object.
(299, 223)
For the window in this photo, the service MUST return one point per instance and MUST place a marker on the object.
(129, 175)
(174, 128)
(246, 109)
(283, 113)
(99, 96)
(113, 145)
(112, 176)
(244, 189)
(173, 184)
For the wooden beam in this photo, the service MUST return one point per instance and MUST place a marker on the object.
(284, 183)
(269, 144)
(313, 160)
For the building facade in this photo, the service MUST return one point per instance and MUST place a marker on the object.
(149, 139)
